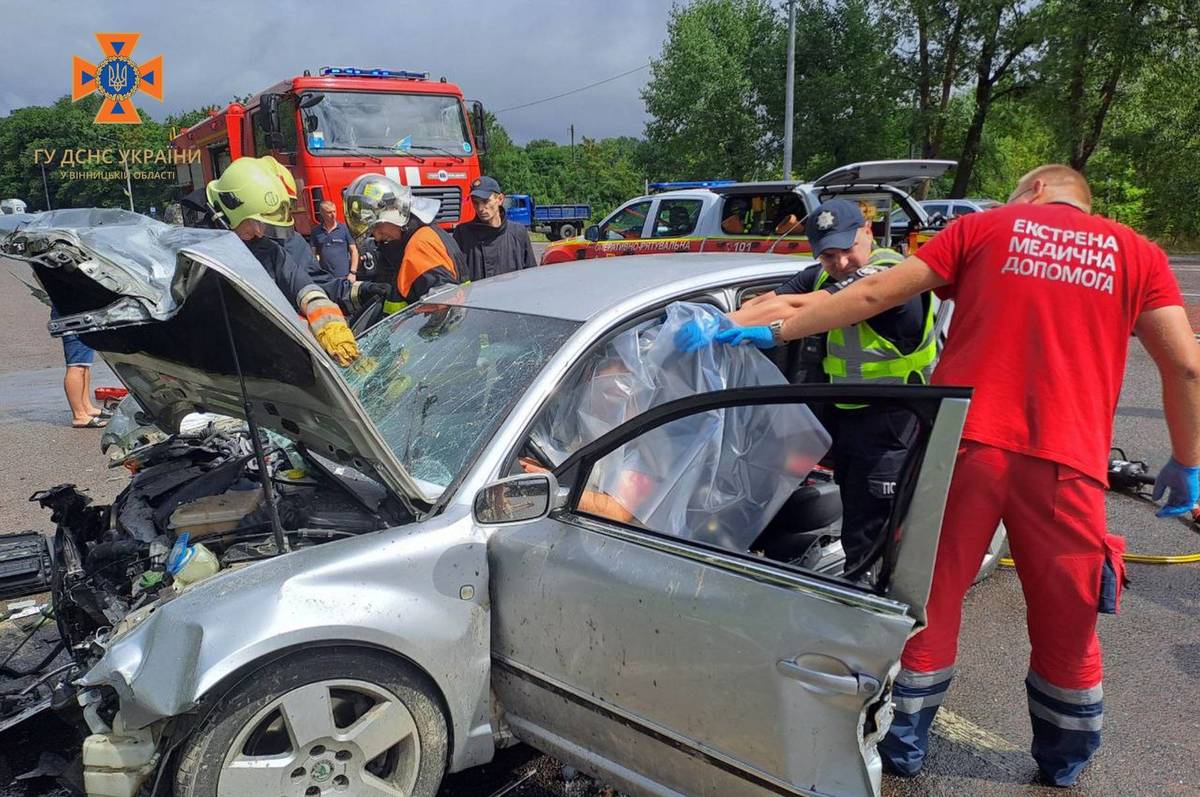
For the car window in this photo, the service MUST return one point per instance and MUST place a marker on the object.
(627, 223)
(750, 480)
(437, 379)
(676, 217)
(962, 210)
(716, 477)
(374, 121)
(936, 207)
(764, 215)
(635, 370)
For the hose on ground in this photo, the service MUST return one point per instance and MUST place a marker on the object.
(1140, 558)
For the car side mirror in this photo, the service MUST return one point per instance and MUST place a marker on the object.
(270, 111)
(479, 126)
(309, 100)
(592, 233)
(516, 499)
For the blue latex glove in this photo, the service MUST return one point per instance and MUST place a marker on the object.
(696, 334)
(738, 336)
(1180, 484)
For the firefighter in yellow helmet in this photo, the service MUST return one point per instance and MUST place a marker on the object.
(250, 195)
(415, 254)
(352, 297)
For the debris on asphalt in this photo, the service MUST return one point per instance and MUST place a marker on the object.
(24, 564)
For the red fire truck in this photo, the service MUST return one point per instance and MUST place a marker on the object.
(331, 127)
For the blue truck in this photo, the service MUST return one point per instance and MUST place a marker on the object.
(557, 221)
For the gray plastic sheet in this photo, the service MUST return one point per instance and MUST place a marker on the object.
(718, 476)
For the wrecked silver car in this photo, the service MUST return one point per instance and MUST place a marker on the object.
(520, 517)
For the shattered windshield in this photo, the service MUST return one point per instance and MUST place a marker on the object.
(438, 379)
(375, 121)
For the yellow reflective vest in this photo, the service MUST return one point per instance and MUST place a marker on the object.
(859, 354)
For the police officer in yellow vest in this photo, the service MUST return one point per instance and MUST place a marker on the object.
(898, 346)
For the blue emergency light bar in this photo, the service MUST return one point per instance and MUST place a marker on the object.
(353, 71)
(681, 184)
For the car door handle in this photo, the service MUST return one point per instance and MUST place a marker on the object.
(857, 684)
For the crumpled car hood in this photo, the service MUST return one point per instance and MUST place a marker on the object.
(152, 298)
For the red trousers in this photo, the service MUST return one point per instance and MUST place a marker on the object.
(1056, 529)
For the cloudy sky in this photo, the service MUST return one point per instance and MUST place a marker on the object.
(503, 53)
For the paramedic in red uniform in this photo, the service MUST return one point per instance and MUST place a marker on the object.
(1046, 296)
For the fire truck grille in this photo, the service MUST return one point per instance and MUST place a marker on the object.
(450, 197)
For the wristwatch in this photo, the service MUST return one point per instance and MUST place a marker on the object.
(776, 328)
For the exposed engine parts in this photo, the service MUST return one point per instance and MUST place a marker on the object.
(193, 506)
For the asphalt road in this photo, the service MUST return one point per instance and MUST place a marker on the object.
(1152, 650)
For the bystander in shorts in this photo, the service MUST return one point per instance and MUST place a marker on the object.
(77, 352)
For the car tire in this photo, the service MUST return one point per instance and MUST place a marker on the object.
(307, 724)
(552, 234)
(567, 231)
(997, 550)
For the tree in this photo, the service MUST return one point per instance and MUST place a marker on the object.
(938, 63)
(850, 96)
(1093, 47)
(1006, 32)
(67, 125)
(706, 115)
(504, 160)
(1144, 170)
(603, 172)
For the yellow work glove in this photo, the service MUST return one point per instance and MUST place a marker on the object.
(328, 326)
(338, 342)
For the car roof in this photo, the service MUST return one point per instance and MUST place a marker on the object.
(678, 193)
(581, 290)
(780, 186)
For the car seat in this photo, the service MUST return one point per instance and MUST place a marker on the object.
(808, 521)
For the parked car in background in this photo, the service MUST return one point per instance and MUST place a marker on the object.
(557, 221)
(458, 578)
(943, 210)
(757, 217)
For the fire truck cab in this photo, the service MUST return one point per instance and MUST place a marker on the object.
(331, 127)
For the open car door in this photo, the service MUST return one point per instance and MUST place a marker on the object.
(666, 663)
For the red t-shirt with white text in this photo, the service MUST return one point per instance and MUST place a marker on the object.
(1045, 299)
